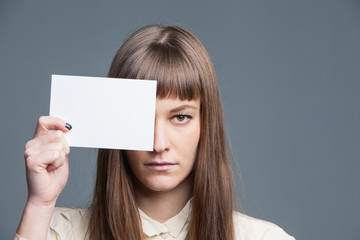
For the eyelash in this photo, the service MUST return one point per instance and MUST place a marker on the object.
(185, 116)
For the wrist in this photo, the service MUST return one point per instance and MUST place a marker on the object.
(33, 202)
(41, 208)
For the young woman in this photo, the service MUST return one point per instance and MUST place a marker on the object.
(181, 190)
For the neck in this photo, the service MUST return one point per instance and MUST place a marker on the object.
(161, 206)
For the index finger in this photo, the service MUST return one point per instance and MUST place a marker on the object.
(47, 123)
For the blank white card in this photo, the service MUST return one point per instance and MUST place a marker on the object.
(105, 112)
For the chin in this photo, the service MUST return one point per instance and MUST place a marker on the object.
(161, 188)
(161, 185)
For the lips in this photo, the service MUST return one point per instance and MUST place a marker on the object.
(160, 166)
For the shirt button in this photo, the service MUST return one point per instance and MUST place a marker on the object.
(165, 235)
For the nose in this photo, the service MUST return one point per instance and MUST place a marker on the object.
(161, 140)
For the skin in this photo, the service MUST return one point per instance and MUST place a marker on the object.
(162, 190)
(47, 170)
(163, 175)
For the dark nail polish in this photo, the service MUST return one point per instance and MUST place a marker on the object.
(68, 126)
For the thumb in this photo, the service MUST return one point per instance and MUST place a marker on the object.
(47, 123)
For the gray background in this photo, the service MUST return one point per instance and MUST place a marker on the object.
(289, 73)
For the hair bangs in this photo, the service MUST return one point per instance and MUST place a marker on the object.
(176, 77)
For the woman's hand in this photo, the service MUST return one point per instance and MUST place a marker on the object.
(47, 171)
(46, 157)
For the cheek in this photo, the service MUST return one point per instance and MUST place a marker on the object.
(190, 140)
(194, 136)
(134, 158)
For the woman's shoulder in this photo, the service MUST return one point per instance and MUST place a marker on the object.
(68, 223)
(247, 228)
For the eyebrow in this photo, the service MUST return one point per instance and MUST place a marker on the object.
(182, 108)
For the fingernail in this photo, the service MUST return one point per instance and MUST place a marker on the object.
(68, 126)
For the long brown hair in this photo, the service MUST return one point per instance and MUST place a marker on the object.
(179, 62)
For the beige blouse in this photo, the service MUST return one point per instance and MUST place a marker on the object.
(71, 223)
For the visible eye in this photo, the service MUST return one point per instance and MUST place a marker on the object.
(181, 118)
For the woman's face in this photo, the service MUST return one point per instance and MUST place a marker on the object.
(176, 138)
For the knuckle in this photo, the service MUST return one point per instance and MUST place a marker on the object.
(27, 153)
(42, 120)
(28, 144)
(55, 155)
(30, 162)
(63, 156)
(57, 145)
(58, 134)
(67, 149)
(58, 161)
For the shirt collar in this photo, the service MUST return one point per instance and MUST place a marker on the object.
(173, 226)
